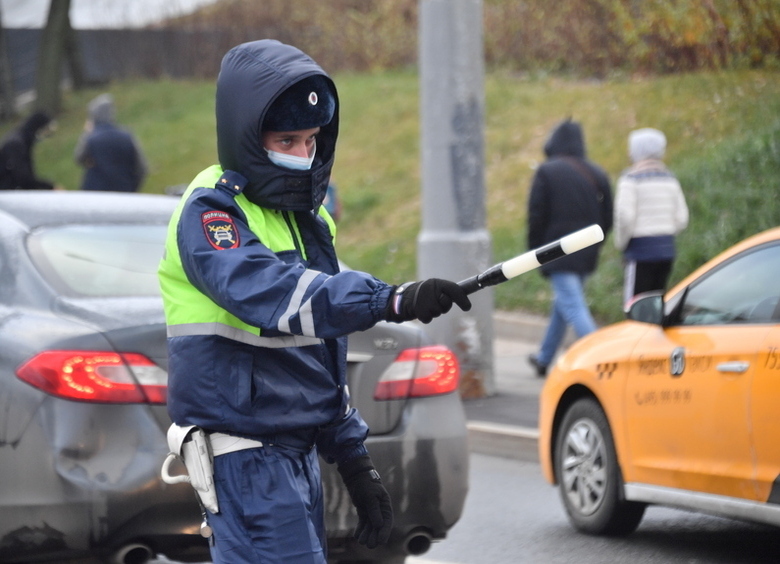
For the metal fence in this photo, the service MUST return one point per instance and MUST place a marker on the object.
(126, 53)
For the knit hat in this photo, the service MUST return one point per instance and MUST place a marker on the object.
(646, 143)
(307, 104)
(101, 109)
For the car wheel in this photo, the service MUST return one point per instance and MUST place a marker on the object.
(588, 474)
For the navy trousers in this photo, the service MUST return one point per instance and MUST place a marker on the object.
(270, 508)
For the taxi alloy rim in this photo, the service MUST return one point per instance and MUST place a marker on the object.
(584, 467)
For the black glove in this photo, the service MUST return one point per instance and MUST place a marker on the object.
(370, 498)
(425, 300)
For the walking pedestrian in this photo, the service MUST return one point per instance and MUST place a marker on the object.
(17, 170)
(111, 156)
(568, 193)
(650, 210)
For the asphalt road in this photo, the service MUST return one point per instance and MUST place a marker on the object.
(512, 515)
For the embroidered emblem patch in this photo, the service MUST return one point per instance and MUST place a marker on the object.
(220, 230)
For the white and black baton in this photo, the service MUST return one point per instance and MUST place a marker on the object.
(535, 258)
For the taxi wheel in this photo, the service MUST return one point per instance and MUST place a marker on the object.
(588, 474)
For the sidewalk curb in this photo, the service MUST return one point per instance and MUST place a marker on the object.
(520, 326)
(508, 441)
(498, 439)
(525, 327)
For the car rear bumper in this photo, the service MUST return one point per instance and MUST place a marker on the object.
(427, 479)
(423, 463)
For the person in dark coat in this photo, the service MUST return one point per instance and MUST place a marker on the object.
(16, 161)
(111, 156)
(568, 192)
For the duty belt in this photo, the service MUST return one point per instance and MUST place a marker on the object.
(222, 443)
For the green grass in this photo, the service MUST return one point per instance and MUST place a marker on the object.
(173, 120)
(724, 143)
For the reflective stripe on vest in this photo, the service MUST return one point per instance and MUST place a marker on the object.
(222, 330)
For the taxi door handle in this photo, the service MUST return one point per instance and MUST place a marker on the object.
(736, 366)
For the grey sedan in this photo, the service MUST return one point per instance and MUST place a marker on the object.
(83, 390)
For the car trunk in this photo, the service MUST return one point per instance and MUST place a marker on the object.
(136, 325)
(370, 354)
(128, 325)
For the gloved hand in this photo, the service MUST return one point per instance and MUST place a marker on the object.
(425, 300)
(370, 498)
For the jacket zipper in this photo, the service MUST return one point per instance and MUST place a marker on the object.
(288, 220)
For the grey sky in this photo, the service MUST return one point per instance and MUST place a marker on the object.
(85, 14)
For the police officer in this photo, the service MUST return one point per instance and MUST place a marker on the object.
(258, 314)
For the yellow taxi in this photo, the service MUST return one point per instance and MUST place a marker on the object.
(679, 405)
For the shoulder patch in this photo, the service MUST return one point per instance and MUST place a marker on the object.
(220, 230)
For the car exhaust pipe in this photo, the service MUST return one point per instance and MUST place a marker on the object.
(132, 554)
(417, 543)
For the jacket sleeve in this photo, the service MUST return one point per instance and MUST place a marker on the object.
(607, 211)
(343, 440)
(18, 166)
(625, 213)
(250, 281)
(80, 154)
(538, 212)
(681, 212)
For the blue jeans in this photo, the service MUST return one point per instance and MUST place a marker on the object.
(569, 308)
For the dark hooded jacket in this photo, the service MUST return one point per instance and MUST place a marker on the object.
(111, 156)
(16, 164)
(568, 192)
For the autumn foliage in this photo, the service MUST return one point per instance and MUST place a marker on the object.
(583, 37)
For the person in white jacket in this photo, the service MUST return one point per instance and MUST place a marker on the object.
(650, 210)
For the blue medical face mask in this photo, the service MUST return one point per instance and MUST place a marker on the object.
(291, 161)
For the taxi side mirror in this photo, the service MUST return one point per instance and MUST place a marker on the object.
(647, 308)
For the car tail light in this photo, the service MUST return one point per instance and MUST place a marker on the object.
(428, 371)
(94, 376)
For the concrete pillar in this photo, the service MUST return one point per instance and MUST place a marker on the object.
(454, 242)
